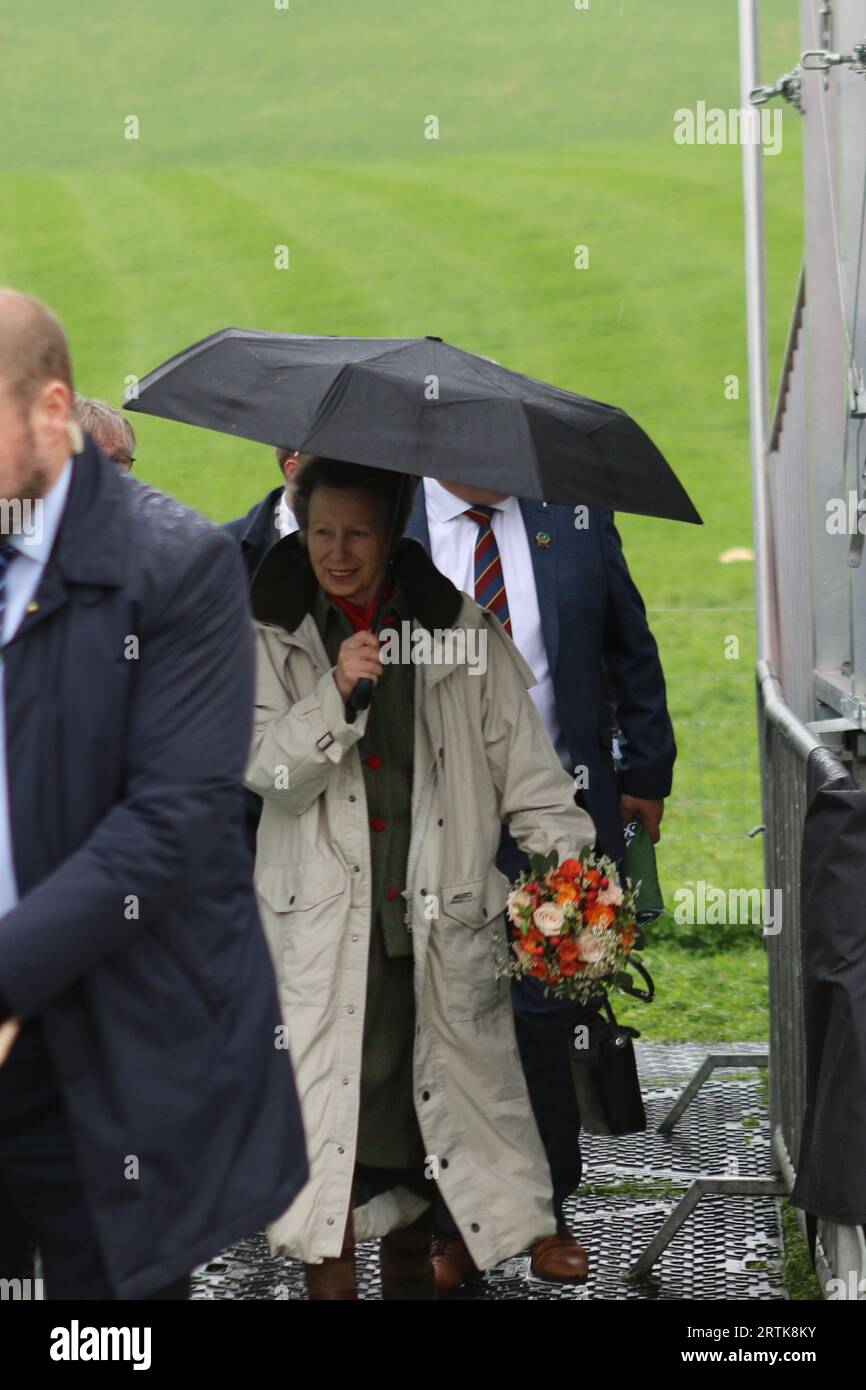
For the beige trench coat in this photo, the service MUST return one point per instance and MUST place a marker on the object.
(481, 756)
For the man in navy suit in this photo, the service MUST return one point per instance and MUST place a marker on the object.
(557, 577)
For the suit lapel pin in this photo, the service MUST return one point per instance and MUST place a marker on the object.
(542, 540)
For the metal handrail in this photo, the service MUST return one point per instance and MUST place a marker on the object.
(780, 714)
(756, 331)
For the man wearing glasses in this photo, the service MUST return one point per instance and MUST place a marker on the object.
(110, 430)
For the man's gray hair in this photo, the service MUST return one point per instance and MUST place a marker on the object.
(104, 422)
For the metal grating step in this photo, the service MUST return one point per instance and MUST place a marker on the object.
(730, 1248)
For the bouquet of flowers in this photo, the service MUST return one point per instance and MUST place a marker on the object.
(573, 925)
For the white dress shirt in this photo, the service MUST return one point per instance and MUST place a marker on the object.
(284, 518)
(452, 546)
(23, 578)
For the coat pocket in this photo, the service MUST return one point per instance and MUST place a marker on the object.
(472, 938)
(303, 911)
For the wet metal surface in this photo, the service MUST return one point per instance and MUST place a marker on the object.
(730, 1248)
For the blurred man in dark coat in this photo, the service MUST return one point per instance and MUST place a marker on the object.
(557, 578)
(269, 520)
(148, 1115)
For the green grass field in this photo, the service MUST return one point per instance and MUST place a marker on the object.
(305, 127)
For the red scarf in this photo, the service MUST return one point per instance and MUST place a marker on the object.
(361, 618)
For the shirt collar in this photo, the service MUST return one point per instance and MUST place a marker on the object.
(443, 506)
(285, 517)
(49, 514)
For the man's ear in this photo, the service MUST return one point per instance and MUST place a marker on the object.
(53, 418)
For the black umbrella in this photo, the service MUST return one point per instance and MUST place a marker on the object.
(418, 406)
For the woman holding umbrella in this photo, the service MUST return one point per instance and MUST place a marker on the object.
(379, 892)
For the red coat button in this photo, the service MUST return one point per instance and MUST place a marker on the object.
(374, 761)
(392, 894)
(378, 823)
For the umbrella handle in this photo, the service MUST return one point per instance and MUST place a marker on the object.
(363, 692)
(359, 699)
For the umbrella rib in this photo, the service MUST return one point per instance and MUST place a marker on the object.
(325, 405)
(538, 478)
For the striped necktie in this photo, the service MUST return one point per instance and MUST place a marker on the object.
(7, 555)
(489, 581)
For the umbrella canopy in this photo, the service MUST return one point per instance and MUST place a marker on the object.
(418, 406)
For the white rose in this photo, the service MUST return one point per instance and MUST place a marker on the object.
(611, 896)
(518, 902)
(589, 947)
(548, 919)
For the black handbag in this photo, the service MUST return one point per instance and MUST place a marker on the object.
(604, 1067)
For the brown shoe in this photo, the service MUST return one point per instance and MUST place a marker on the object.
(333, 1279)
(559, 1259)
(404, 1261)
(453, 1266)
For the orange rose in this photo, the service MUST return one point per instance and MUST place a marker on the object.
(570, 868)
(599, 915)
(567, 893)
(533, 942)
